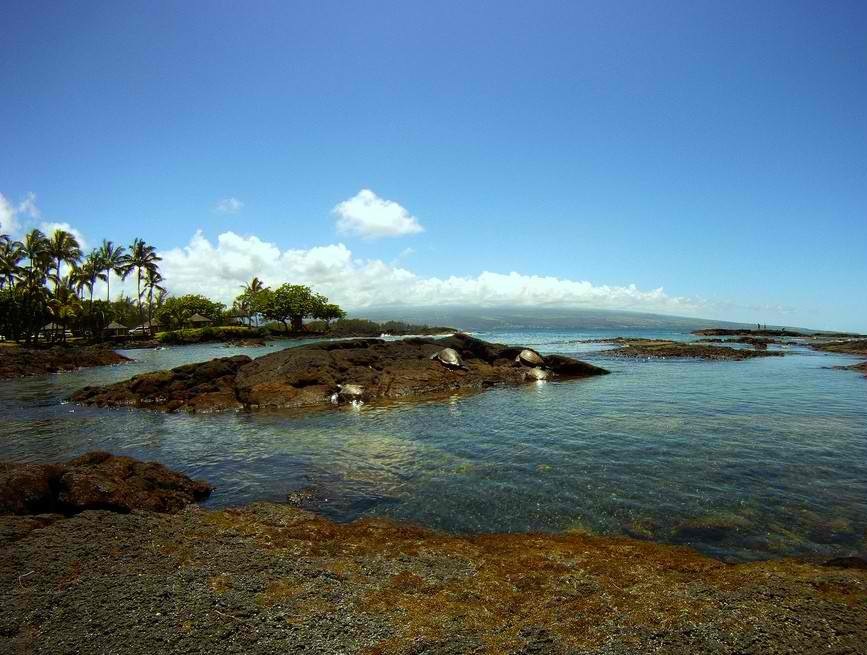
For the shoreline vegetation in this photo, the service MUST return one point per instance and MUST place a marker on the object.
(112, 546)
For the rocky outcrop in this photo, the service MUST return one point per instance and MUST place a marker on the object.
(333, 372)
(96, 480)
(738, 332)
(664, 349)
(760, 343)
(18, 362)
(846, 347)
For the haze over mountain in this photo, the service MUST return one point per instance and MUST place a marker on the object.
(529, 318)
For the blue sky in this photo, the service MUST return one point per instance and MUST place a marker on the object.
(551, 153)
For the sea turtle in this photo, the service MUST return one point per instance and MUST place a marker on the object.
(449, 358)
(349, 391)
(529, 357)
(536, 374)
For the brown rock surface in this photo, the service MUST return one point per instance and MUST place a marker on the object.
(664, 349)
(18, 362)
(848, 346)
(275, 579)
(312, 375)
(95, 480)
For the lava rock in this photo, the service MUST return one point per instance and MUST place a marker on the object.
(308, 376)
(96, 480)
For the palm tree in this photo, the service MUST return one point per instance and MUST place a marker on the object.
(10, 258)
(35, 296)
(143, 258)
(64, 304)
(112, 260)
(34, 249)
(249, 297)
(85, 277)
(153, 281)
(254, 286)
(63, 247)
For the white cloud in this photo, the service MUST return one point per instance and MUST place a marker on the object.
(8, 216)
(220, 269)
(28, 206)
(371, 217)
(228, 206)
(9, 213)
(50, 228)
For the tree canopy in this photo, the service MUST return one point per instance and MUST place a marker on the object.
(292, 303)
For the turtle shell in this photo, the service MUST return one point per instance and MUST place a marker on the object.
(350, 390)
(449, 357)
(536, 374)
(529, 357)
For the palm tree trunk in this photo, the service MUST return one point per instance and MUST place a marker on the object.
(138, 288)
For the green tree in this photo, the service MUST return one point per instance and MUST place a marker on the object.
(331, 312)
(112, 260)
(252, 300)
(65, 306)
(63, 247)
(11, 255)
(176, 310)
(142, 258)
(153, 284)
(291, 304)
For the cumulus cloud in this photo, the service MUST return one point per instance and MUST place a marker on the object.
(228, 206)
(10, 213)
(28, 206)
(371, 217)
(50, 228)
(220, 269)
(8, 217)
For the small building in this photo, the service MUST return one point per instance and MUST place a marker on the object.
(148, 328)
(198, 321)
(52, 331)
(115, 329)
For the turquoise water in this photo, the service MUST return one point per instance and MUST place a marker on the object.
(770, 453)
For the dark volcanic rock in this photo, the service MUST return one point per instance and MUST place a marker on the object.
(726, 332)
(18, 362)
(208, 386)
(313, 375)
(95, 481)
(664, 349)
(849, 346)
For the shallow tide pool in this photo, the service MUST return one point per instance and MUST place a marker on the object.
(753, 459)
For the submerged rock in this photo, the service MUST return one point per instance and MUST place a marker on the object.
(321, 374)
(96, 480)
(18, 362)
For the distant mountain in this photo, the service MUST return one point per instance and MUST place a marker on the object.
(501, 318)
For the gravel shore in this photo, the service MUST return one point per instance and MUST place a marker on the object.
(272, 578)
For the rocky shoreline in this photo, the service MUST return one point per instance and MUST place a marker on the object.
(332, 373)
(132, 566)
(272, 578)
(19, 362)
